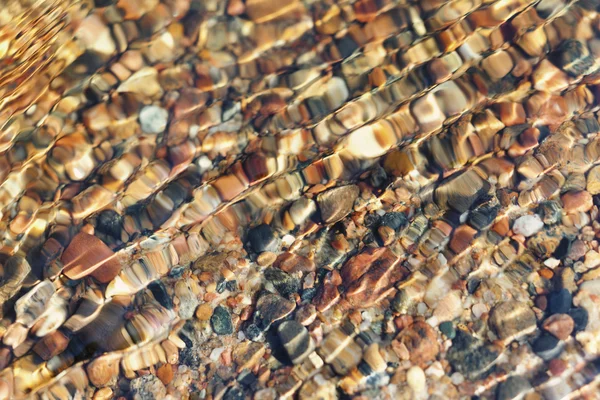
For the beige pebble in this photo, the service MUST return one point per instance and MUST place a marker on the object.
(266, 258)
(204, 312)
(415, 378)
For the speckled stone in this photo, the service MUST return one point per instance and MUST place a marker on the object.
(221, 321)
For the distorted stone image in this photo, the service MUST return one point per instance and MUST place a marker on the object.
(299, 199)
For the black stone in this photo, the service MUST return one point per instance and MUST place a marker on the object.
(394, 220)
(109, 223)
(308, 294)
(547, 347)
(253, 332)
(512, 388)
(483, 216)
(372, 220)
(580, 317)
(473, 285)
(285, 283)
(560, 302)
(234, 393)
(470, 357)
(160, 294)
(573, 57)
(231, 285)
(221, 321)
(221, 285)
(177, 193)
(378, 177)
(261, 238)
(447, 328)
(564, 247)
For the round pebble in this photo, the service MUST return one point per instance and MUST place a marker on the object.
(559, 302)
(415, 378)
(580, 318)
(447, 328)
(221, 321)
(547, 347)
(528, 225)
(153, 119)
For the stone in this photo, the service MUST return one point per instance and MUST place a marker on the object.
(559, 302)
(421, 341)
(153, 119)
(415, 377)
(547, 346)
(204, 312)
(286, 284)
(447, 328)
(511, 320)
(580, 318)
(560, 325)
(261, 238)
(147, 387)
(370, 276)
(528, 225)
(394, 220)
(513, 388)
(291, 263)
(328, 293)
(221, 321)
(51, 345)
(336, 203)
(470, 356)
(270, 308)
(88, 255)
(577, 201)
(266, 258)
(165, 373)
(296, 340)
(593, 181)
(103, 370)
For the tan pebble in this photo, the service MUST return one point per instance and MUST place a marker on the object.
(266, 258)
(165, 373)
(415, 377)
(577, 201)
(171, 351)
(103, 369)
(560, 325)
(593, 180)
(204, 312)
(103, 394)
(387, 234)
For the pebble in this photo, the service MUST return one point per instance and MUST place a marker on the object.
(577, 201)
(580, 318)
(291, 263)
(266, 258)
(479, 309)
(512, 319)
(270, 308)
(547, 346)
(103, 394)
(415, 377)
(221, 321)
(560, 325)
(447, 328)
(204, 312)
(421, 341)
(165, 373)
(469, 356)
(153, 119)
(528, 225)
(286, 284)
(296, 340)
(513, 388)
(147, 387)
(457, 378)
(262, 238)
(394, 220)
(336, 203)
(559, 302)
(593, 181)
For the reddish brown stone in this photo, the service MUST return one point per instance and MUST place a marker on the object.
(328, 294)
(421, 341)
(88, 255)
(462, 238)
(557, 366)
(577, 201)
(165, 373)
(370, 276)
(560, 325)
(290, 262)
(50, 345)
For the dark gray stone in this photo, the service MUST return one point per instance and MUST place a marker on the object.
(221, 321)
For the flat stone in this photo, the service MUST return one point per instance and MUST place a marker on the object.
(421, 341)
(513, 388)
(296, 340)
(394, 220)
(470, 356)
(547, 346)
(580, 318)
(221, 321)
(336, 203)
(577, 201)
(560, 325)
(153, 119)
(286, 284)
(511, 320)
(593, 180)
(261, 238)
(559, 302)
(88, 255)
(528, 225)
(290, 263)
(270, 308)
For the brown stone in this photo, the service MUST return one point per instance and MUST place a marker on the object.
(512, 319)
(266, 258)
(421, 341)
(204, 312)
(336, 203)
(577, 201)
(328, 294)
(88, 255)
(290, 263)
(593, 180)
(247, 354)
(50, 345)
(104, 369)
(370, 276)
(165, 373)
(560, 325)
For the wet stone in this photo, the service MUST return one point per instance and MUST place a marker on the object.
(270, 308)
(421, 341)
(221, 321)
(559, 302)
(513, 388)
(560, 325)
(512, 319)
(284, 283)
(147, 387)
(153, 119)
(447, 328)
(470, 356)
(261, 238)
(296, 340)
(547, 346)
(394, 220)
(336, 203)
(528, 225)
(580, 318)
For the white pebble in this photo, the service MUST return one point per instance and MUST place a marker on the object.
(287, 240)
(153, 119)
(457, 378)
(204, 164)
(528, 225)
(194, 129)
(421, 308)
(433, 321)
(415, 377)
(551, 262)
(216, 353)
